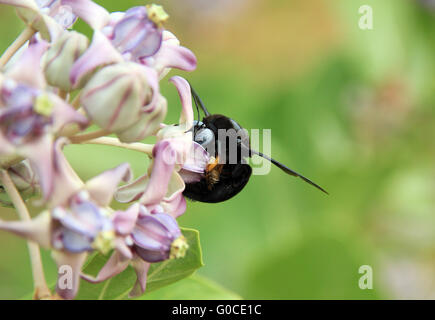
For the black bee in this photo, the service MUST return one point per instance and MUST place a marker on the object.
(224, 179)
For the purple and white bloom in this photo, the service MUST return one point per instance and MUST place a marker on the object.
(30, 117)
(79, 219)
(124, 98)
(156, 237)
(60, 57)
(136, 35)
(49, 17)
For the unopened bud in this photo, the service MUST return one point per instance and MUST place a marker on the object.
(148, 123)
(25, 181)
(61, 56)
(114, 96)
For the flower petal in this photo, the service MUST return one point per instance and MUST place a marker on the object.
(141, 268)
(132, 191)
(197, 159)
(172, 55)
(184, 92)
(40, 154)
(121, 246)
(75, 242)
(64, 114)
(175, 186)
(47, 26)
(176, 206)
(101, 52)
(68, 262)
(66, 181)
(165, 158)
(93, 14)
(115, 265)
(27, 69)
(102, 187)
(37, 229)
(124, 221)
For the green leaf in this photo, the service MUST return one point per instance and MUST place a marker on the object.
(159, 275)
(194, 287)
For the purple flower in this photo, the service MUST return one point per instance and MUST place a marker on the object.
(79, 219)
(161, 187)
(82, 226)
(49, 17)
(157, 237)
(61, 13)
(171, 55)
(136, 35)
(30, 117)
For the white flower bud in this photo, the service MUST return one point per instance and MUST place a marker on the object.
(147, 125)
(61, 56)
(24, 180)
(114, 97)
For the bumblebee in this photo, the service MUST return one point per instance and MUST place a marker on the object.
(223, 179)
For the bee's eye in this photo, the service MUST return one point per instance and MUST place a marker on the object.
(204, 136)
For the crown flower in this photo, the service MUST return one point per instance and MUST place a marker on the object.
(30, 116)
(136, 35)
(56, 86)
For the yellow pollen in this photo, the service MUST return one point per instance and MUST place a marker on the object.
(157, 14)
(43, 105)
(178, 248)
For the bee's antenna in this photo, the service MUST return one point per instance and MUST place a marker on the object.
(198, 101)
(286, 169)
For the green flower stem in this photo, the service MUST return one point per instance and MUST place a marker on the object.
(41, 289)
(88, 136)
(16, 45)
(108, 141)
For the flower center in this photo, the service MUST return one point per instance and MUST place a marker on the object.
(157, 14)
(103, 242)
(23, 124)
(178, 248)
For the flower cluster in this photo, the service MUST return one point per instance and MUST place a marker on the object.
(55, 86)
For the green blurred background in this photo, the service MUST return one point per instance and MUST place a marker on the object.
(351, 109)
